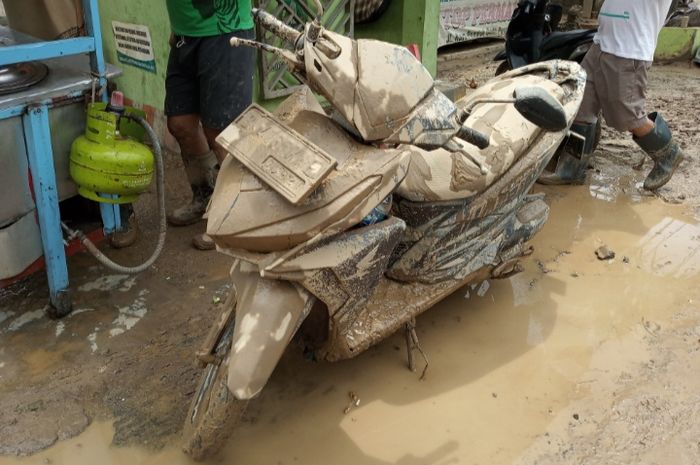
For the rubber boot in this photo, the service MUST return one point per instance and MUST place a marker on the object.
(203, 242)
(126, 236)
(572, 158)
(201, 173)
(661, 147)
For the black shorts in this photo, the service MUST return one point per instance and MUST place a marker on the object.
(208, 77)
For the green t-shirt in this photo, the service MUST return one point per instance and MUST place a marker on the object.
(201, 18)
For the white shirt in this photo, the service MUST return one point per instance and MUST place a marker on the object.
(630, 28)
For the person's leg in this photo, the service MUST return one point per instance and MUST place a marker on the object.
(627, 113)
(200, 165)
(643, 129)
(129, 232)
(655, 138)
(182, 108)
(211, 134)
(189, 134)
(226, 83)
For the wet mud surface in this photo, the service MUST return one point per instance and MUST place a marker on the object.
(575, 360)
(126, 352)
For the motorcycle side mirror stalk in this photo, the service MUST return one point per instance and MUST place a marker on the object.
(533, 103)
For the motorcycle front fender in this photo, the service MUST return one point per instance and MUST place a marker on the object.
(268, 313)
(500, 56)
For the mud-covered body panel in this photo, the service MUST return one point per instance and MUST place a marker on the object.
(391, 83)
(268, 314)
(253, 216)
(440, 175)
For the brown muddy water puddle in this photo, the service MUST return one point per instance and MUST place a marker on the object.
(506, 357)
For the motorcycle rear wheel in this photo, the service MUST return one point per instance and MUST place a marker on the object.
(215, 411)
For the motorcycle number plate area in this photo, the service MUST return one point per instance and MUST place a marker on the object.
(281, 157)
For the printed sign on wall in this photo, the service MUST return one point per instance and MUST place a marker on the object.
(465, 20)
(134, 46)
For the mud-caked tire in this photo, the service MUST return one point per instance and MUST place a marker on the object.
(213, 415)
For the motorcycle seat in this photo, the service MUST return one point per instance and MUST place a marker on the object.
(440, 175)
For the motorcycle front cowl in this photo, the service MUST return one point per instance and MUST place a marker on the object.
(248, 214)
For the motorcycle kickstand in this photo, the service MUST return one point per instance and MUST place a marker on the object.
(411, 343)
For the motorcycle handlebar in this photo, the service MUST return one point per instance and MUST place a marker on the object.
(275, 26)
(474, 137)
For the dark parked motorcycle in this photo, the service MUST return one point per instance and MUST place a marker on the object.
(532, 36)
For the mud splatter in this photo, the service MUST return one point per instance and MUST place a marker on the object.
(25, 318)
(5, 314)
(121, 282)
(92, 339)
(129, 315)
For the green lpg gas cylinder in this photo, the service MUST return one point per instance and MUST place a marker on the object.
(110, 157)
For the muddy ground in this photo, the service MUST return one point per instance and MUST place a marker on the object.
(573, 361)
(126, 351)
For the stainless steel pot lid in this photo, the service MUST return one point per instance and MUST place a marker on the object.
(20, 76)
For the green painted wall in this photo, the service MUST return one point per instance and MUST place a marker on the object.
(408, 22)
(139, 85)
(677, 43)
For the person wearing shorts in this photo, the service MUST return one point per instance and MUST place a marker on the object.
(208, 84)
(617, 65)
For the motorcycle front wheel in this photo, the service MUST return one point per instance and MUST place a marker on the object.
(215, 412)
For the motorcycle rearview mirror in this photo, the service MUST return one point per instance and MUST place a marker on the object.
(540, 108)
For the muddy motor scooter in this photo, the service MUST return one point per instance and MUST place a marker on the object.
(343, 229)
(532, 36)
